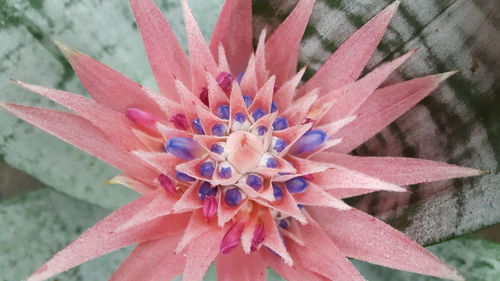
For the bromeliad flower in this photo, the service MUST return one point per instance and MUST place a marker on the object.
(235, 161)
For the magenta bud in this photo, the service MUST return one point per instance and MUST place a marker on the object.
(231, 238)
(209, 207)
(224, 80)
(204, 96)
(141, 118)
(167, 183)
(258, 237)
(180, 121)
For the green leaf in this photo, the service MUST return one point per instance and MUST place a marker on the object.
(457, 124)
(38, 224)
(103, 29)
(475, 259)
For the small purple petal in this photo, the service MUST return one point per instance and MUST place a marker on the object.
(233, 197)
(278, 144)
(277, 192)
(206, 189)
(296, 185)
(198, 128)
(183, 177)
(254, 181)
(206, 169)
(309, 142)
(258, 113)
(217, 148)
(239, 117)
(182, 147)
(280, 123)
(261, 130)
(219, 130)
(223, 111)
(283, 223)
(274, 107)
(248, 101)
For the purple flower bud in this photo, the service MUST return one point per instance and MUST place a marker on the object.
(206, 189)
(206, 169)
(258, 113)
(225, 170)
(233, 197)
(219, 130)
(261, 130)
(309, 142)
(254, 181)
(280, 123)
(278, 144)
(183, 147)
(183, 177)
(277, 191)
(223, 111)
(296, 185)
(198, 128)
(248, 101)
(239, 117)
(274, 107)
(283, 223)
(217, 148)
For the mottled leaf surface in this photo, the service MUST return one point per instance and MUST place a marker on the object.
(38, 224)
(457, 124)
(477, 260)
(102, 29)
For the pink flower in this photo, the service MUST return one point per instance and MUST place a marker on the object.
(236, 162)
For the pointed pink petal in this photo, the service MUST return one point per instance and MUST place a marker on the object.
(206, 142)
(240, 266)
(166, 56)
(266, 192)
(283, 167)
(289, 273)
(208, 119)
(282, 48)
(399, 170)
(225, 212)
(223, 64)
(332, 128)
(163, 162)
(190, 200)
(286, 92)
(293, 232)
(341, 177)
(197, 225)
(107, 86)
(384, 106)
(115, 125)
(102, 238)
(169, 132)
(321, 255)
(316, 196)
(342, 193)
(341, 69)
(248, 232)
(264, 96)
(201, 252)
(234, 31)
(237, 105)
(273, 239)
(132, 183)
(380, 243)
(249, 84)
(189, 100)
(352, 96)
(199, 53)
(160, 206)
(286, 205)
(216, 95)
(82, 134)
(303, 167)
(266, 121)
(151, 143)
(291, 135)
(260, 60)
(152, 261)
(296, 113)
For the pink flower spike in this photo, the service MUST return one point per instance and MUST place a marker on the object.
(232, 238)
(209, 207)
(141, 118)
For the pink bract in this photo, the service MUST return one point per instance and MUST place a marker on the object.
(236, 162)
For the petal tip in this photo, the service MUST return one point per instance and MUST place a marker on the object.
(66, 50)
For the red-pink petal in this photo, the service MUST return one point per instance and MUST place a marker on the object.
(322, 256)
(166, 56)
(273, 239)
(234, 31)
(240, 266)
(197, 225)
(286, 93)
(108, 87)
(346, 63)
(152, 261)
(289, 273)
(379, 243)
(352, 96)
(102, 238)
(282, 48)
(249, 83)
(82, 134)
(316, 196)
(398, 170)
(384, 106)
(201, 252)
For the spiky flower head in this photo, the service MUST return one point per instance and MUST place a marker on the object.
(238, 163)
